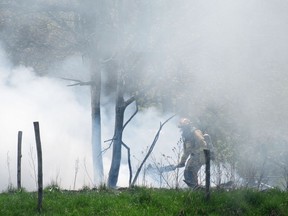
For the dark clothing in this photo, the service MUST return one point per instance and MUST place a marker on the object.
(193, 146)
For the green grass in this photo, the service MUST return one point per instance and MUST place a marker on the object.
(145, 201)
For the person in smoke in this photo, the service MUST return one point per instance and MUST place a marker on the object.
(193, 145)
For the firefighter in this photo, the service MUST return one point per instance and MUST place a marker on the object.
(193, 146)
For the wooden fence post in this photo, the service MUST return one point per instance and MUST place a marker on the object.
(207, 171)
(19, 156)
(40, 165)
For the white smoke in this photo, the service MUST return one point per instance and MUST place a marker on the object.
(64, 119)
(64, 126)
(235, 51)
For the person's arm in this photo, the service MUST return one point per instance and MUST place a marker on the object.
(200, 139)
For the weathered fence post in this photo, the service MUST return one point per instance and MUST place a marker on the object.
(19, 156)
(207, 171)
(40, 170)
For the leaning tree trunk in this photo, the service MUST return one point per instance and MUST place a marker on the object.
(117, 140)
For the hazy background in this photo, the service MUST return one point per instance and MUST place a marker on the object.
(234, 52)
(64, 116)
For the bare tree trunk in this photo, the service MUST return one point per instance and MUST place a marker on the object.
(89, 18)
(117, 140)
(19, 156)
(40, 165)
(96, 122)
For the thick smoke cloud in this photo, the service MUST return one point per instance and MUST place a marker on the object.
(64, 117)
(234, 53)
(63, 123)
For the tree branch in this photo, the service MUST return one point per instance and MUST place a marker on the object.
(150, 150)
(103, 151)
(136, 111)
(129, 101)
(129, 162)
(78, 82)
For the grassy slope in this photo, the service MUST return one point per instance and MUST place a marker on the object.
(144, 201)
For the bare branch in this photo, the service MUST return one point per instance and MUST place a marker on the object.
(129, 162)
(103, 151)
(82, 83)
(111, 140)
(132, 116)
(87, 173)
(129, 101)
(150, 149)
(78, 82)
(108, 59)
(162, 175)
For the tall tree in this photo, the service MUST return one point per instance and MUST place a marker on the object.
(96, 121)
(120, 107)
(89, 22)
(47, 32)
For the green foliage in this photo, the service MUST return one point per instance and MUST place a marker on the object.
(146, 201)
(85, 188)
(103, 187)
(253, 199)
(142, 197)
(11, 188)
(53, 187)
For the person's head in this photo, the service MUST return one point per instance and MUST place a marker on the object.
(184, 123)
